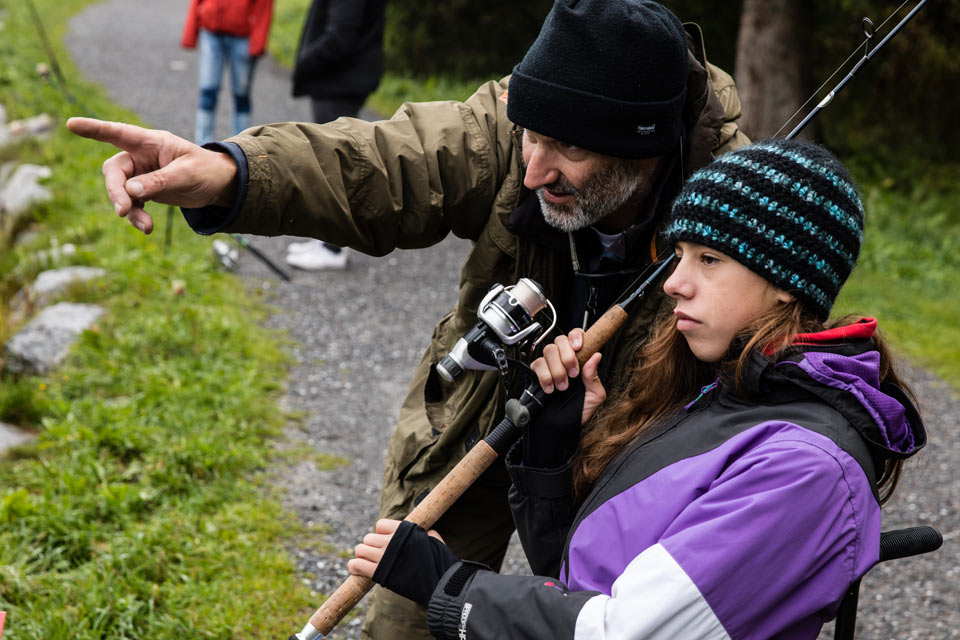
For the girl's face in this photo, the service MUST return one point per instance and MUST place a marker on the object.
(716, 298)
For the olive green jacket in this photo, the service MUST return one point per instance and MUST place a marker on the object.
(433, 169)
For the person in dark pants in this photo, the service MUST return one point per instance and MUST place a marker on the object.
(339, 63)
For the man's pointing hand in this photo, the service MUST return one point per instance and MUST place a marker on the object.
(159, 166)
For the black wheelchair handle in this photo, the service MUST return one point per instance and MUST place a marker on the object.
(912, 541)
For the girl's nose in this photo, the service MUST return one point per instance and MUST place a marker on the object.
(678, 285)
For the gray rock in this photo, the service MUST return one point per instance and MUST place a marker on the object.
(53, 282)
(11, 436)
(38, 126)
(44, 343)
(25, 237)
(55, 252)
(6, 169)
(23, 190)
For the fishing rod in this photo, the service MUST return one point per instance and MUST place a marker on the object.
(52, 58)
(519, 413)
(615, 316)
(868, 31)
(261, 256)
(906, 542)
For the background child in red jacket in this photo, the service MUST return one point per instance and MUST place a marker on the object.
(228, 31)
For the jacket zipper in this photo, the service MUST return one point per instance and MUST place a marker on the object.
(703, 391)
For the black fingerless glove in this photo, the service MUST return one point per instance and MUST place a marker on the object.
(413, 563)
(552, 438)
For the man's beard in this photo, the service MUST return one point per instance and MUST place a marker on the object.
(603, 193)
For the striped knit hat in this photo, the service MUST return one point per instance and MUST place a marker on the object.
(788, 210)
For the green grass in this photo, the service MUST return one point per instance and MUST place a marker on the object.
(394, 89)
(909, 272)
(288, 19)
(143, 509)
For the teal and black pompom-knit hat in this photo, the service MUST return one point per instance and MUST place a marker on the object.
(788, 210)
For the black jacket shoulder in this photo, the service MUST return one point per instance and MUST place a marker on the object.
(340, 53)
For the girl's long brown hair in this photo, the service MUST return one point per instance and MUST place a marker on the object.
(666, 374)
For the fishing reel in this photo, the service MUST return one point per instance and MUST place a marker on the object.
(506, 318)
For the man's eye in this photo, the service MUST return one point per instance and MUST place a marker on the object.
(571, 147)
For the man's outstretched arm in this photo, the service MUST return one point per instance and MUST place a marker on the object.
(159, 166)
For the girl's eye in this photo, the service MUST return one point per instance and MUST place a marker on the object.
(708, 259)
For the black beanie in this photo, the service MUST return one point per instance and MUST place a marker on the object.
(787, 210)
(609, 76)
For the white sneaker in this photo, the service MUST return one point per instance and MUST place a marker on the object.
(318, 258)
(300, 247)
(227, 254)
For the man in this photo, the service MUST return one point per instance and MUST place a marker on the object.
(563, 179)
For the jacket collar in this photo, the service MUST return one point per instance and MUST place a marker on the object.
(840, 367)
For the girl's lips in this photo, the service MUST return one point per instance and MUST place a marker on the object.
(685, 322)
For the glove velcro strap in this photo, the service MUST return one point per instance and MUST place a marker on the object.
(445, 610)
(455, 583)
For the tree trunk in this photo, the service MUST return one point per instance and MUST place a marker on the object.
(769, 68)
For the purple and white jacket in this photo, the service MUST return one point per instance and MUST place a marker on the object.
(733, 519)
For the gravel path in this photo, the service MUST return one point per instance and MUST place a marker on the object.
(356, 336)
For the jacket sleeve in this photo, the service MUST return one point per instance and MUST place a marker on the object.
(338, 38)
(401, 183)
(730, 136)
(261, 14)
(773, 543)
(191, 26)
(473, 602)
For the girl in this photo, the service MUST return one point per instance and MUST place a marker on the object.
(733, 488)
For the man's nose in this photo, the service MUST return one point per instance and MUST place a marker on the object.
(541, 169)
